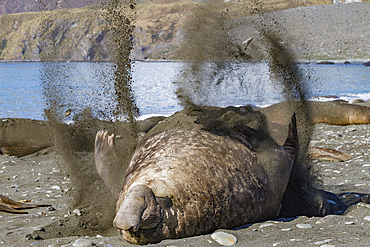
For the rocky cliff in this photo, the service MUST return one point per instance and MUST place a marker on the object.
(82, 34)
(19, 6)
(74, 35)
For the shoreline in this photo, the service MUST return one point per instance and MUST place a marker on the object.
(325, 98)
(354, 61)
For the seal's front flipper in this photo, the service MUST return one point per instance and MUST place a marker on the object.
(291, 143)
(139, 210)
(106, 159)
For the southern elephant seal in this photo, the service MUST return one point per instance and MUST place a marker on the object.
(333, 112)
(222, 172)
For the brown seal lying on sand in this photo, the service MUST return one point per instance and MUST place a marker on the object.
(223, 173)
(338, 113)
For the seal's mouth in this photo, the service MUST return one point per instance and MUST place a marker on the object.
(150, 222)
(142, 236)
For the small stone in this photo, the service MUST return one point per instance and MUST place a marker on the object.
(357, 185)
(109, 245)
(324, 241)
(223, 238)
(56, 187)
(367, 218)
(77, 212)
(304, 226)
(326, 219)
(286, 229)
(83, 242)
(51, 209)
(266, 225)
(349, 223)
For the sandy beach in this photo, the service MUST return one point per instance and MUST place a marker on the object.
(86, 220)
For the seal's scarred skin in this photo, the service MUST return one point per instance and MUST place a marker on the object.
(182, 183)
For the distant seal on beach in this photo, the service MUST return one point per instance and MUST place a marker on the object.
(336, 113)
(223, 170)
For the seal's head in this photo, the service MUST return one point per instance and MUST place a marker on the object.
(139, 216)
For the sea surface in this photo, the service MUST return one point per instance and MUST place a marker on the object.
(28, 88)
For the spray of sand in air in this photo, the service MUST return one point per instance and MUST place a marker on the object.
(72, 142)
(209, 47)
(215, 42)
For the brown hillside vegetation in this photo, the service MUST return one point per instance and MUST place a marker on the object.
(80, 33)
(19, 6)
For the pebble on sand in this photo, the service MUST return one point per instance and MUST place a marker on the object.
(77, 212)
(325, 219)
(286, 229)
(223, 238)
(56, 187)
(82, 242)
(304, 226)
(324, 241)
(266, 225)
(367, 218)
(349, 223)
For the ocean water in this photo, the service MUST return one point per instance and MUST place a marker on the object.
(27, 87)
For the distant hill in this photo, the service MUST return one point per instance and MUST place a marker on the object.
(80, 34)
(19, 6)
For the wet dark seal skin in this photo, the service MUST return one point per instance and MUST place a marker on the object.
(186, 182)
